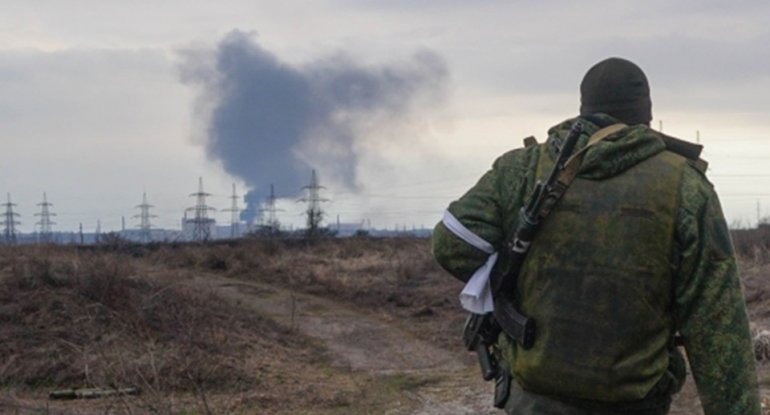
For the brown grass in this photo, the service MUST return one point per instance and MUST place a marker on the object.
(394, 276)
(71, 319)
(121, 315)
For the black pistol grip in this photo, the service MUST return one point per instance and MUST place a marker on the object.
(486, 362)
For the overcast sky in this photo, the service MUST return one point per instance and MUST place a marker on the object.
(399, 105)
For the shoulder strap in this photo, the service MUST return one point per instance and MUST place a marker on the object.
(572, 166)
(604, 132)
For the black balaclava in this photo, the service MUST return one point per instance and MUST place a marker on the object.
(619, 88)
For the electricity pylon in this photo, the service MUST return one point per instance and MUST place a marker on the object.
(144, 219)
(314, 212)
(10, 222)
(235, 213)
(201, 222)
(271, 223)
(45, 234)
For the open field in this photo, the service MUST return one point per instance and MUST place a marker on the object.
(334, 326)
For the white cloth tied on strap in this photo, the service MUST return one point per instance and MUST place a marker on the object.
(476, 296)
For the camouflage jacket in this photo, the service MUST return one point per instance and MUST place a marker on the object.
(708, 309)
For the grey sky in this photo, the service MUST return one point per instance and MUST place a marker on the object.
(93, 110)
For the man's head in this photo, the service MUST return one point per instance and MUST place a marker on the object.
(619, 88)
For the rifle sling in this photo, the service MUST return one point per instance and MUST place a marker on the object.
(571, 167)
(502, 284)
(512, 322)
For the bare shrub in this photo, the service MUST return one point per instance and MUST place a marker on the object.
(753, 244)
(73, 319)
(394, 275)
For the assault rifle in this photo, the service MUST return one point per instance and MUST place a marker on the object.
(481, 331)
(545, 193)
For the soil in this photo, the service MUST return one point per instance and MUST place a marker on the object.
(362, 341)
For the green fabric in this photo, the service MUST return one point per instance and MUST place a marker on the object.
(598, 284)
(707, 307)
(522, 402)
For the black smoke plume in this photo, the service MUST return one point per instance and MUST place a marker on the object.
(267, 121)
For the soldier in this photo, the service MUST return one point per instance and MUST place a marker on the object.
(633, 260)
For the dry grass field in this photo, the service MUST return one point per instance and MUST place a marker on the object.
(255, 326)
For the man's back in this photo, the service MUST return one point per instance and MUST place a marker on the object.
(636, 252)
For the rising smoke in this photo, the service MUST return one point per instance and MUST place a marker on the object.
(270, 122)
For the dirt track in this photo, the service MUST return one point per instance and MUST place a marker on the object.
(363, 341)
(370, 343)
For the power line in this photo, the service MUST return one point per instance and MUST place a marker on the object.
(201, 222)
(738, 156)
(235, 214)
(272, 225)
(10, 222)
(314, 212)
(45, 234)
(415, 197)
(742, 175)
(731, 140)
(144, 219)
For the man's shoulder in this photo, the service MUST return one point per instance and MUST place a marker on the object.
(522, 157)
(684, 150)
(689, 150)
(696, 189)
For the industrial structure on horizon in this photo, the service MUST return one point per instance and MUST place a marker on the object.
(196, 224)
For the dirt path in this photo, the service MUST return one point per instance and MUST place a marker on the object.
(367, 342)
(361, 341)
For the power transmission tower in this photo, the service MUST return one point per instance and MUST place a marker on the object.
(144, 219)
(10, 222)
(201, 222)
(235, 213)
(271, 224)
(314, 212)
(45, 234)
